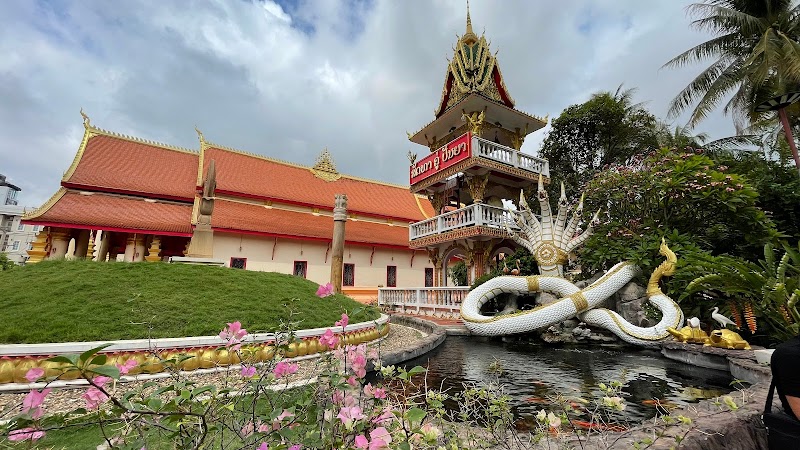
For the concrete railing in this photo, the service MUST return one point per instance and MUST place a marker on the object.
(477, 214)
(506, 155)
(441, 301)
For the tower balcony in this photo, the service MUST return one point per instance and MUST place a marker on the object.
(471, 154)
(474, 220)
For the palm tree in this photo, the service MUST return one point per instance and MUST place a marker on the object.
(756, 56)
(682, 137)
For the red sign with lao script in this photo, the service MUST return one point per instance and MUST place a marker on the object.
(453, 152)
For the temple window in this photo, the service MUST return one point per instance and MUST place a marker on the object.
(391, 276)
(429, 277)
(349, 275)
(300, 268)
(21, 226)
(15, 247)
(238, 263)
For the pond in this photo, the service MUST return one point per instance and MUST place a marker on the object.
(533, 374)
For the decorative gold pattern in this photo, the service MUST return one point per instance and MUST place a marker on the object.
(45, 206)
(580, 302)
(475, 161)
(13, 370)
(461, 233)
(533, 283)
(39, 247)
(325, 168)
(477, 187)
(154, 252)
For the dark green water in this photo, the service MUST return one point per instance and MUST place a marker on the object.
(531, 374)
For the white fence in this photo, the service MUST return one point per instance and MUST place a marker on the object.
(477, 214)
(438, 301)
(506, 155)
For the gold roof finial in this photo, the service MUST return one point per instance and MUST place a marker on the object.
(200, 135)
(469, 35)
(325, 168)
(86, 121)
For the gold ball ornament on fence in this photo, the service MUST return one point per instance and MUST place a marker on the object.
(22, 368)
(6, 371)
(192, 363)
(207, 359)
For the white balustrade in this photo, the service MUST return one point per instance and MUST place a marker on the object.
(501, 153)
(427, 300)
(477, 214)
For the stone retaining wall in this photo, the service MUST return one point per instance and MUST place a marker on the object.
(435, 336)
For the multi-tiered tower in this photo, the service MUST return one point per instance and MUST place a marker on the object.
(474, 163)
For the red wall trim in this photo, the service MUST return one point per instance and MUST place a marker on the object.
(104, 228)
(126, 192)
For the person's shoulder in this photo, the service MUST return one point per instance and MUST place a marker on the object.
(790, 348)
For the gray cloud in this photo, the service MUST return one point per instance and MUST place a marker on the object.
(349, 76)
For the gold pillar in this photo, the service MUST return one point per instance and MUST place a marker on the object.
(91, 248)
(39, 249)
(477, 187)
(154, 252)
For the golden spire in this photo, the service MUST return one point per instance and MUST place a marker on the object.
(469, 37)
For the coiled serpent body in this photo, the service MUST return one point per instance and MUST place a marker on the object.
(573, 302)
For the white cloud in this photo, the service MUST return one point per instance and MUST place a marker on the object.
(350, 76)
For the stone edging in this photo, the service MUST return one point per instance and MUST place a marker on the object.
(436, 335)
(741, 364)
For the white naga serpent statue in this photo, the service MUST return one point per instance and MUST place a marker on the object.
(550, 242)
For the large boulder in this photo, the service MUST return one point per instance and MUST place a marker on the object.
(629, 303)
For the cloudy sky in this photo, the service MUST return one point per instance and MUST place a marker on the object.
(287, 79)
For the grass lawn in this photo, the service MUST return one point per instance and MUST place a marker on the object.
(60, 301)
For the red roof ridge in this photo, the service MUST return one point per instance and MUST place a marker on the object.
(46, 205)
(208, 144)
(92, 131)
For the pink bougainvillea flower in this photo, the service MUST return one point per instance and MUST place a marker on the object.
(343, 323)
(283, 368)
(350, 414)
(263, 446)
(380, 439)
(248, 371)
(233, 334)
(385, 417)
(248, 429)
(101, 380)
(325, 290)
(352, 381)
(361, 441)
(94, 398)
(329, 339)
(34, 374)
(295, 447)
(126, 367)
(25, 434)
(33, 401)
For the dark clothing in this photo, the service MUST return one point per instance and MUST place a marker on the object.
(786, 371)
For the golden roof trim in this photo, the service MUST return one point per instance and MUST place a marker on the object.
(201, 159)
(46, 205)
(417, 197)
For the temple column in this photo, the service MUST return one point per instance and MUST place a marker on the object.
(39, 250)
(337, 259)
(59, 242)
(436, 260)
(102, 245)
(130, 248)
(139, 247)
(154, 252)
(82, 243)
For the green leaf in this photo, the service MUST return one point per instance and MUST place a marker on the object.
(404, 446)
(415, 415)
(416, 370)
(109, 371)
(89, 353)
(99, 360)
(68, 359)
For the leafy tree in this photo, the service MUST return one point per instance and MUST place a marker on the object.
(682, 137)
(607, 129)
(683, 195)
(5, 263)
(755, 55)
(458, 273)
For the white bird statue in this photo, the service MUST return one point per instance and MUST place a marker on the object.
(694, 322)
(722, 320)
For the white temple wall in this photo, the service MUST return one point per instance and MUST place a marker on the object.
(258, 250)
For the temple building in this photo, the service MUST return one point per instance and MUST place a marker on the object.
(474, 163)
(125, 198)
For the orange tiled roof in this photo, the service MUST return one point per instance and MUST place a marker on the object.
(114, 212)
(235, 216)
(259, 177)
(127, 165)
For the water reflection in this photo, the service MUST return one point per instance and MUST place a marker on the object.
(532, 374)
